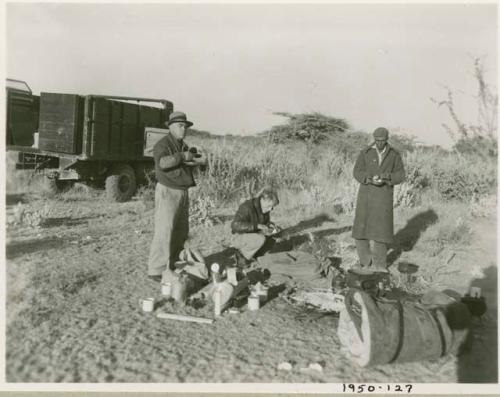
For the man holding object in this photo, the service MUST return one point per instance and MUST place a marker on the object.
(252, 226)
(173, 169)
(378, 168)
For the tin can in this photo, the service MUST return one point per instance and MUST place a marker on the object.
(179, 290)
(253, 302)
(263, 294)
(166, 289)
(231, 276)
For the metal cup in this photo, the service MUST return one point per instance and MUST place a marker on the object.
(147, 304)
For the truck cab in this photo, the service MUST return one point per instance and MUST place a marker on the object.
(23, 109)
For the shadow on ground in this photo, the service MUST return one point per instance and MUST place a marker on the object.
(64, 221)
(13, 199)
(480, 363)
(292, 242)
(406, 238)
(17, 248)
(307, 224)
(288, 243)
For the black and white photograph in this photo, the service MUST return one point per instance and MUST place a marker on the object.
(251, 194)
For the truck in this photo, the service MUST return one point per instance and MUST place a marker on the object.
(98, 140)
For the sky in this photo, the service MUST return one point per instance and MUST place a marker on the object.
(230, 66)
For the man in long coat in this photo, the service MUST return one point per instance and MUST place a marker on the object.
(378, 168)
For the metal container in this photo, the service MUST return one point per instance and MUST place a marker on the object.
(179, 290)
(147, 304)
(253, 302)
(166, 289)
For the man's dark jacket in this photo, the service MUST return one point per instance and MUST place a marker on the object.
(248, 216)
(180, 175)
(373, 219)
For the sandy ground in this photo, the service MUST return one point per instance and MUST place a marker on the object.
(73, 290)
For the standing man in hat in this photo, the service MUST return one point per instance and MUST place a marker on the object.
(378, 168)
(173, 169)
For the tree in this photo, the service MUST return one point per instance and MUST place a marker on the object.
(481, 137)
(309, 127)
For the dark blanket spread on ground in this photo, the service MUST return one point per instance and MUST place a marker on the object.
(295, 266)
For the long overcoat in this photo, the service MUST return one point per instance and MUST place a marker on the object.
(373, 219)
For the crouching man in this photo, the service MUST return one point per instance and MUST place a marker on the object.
(252, 226)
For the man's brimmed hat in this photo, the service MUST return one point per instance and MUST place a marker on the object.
(381, 133)
(178, 117)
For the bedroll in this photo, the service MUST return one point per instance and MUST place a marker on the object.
(376, 331)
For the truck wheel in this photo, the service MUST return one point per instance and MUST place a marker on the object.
(121, 183)
(55, 186)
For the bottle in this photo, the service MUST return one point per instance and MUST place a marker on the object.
(215, 269)
(217, 300)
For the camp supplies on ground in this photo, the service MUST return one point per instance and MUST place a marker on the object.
(147, 304)
(366, 280)
(191, 262)
(216, 270)
(253, 302)
(296, 266)
(477, 305)
(408, 269)
(261, 291)
(166, 289)
(323, 300)
(379, 331)
(217, 297)
(231, 273)
(180, 317)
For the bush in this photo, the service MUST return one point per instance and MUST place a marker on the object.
(461, 178)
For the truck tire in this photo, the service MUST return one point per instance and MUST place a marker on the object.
(121, 183)
(55, 186)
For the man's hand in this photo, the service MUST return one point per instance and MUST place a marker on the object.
(200, 158)
(266, 230)
(188, 155)
(376, 181)
(276, 229)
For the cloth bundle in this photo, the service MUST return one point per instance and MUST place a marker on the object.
(379, 331)
(190, 262)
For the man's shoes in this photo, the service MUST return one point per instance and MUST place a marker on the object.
(241, 261)
(156, 278)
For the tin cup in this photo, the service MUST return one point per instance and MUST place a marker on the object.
(166, 289)
(147, 304)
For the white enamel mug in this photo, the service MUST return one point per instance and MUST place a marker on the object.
(147, 304)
